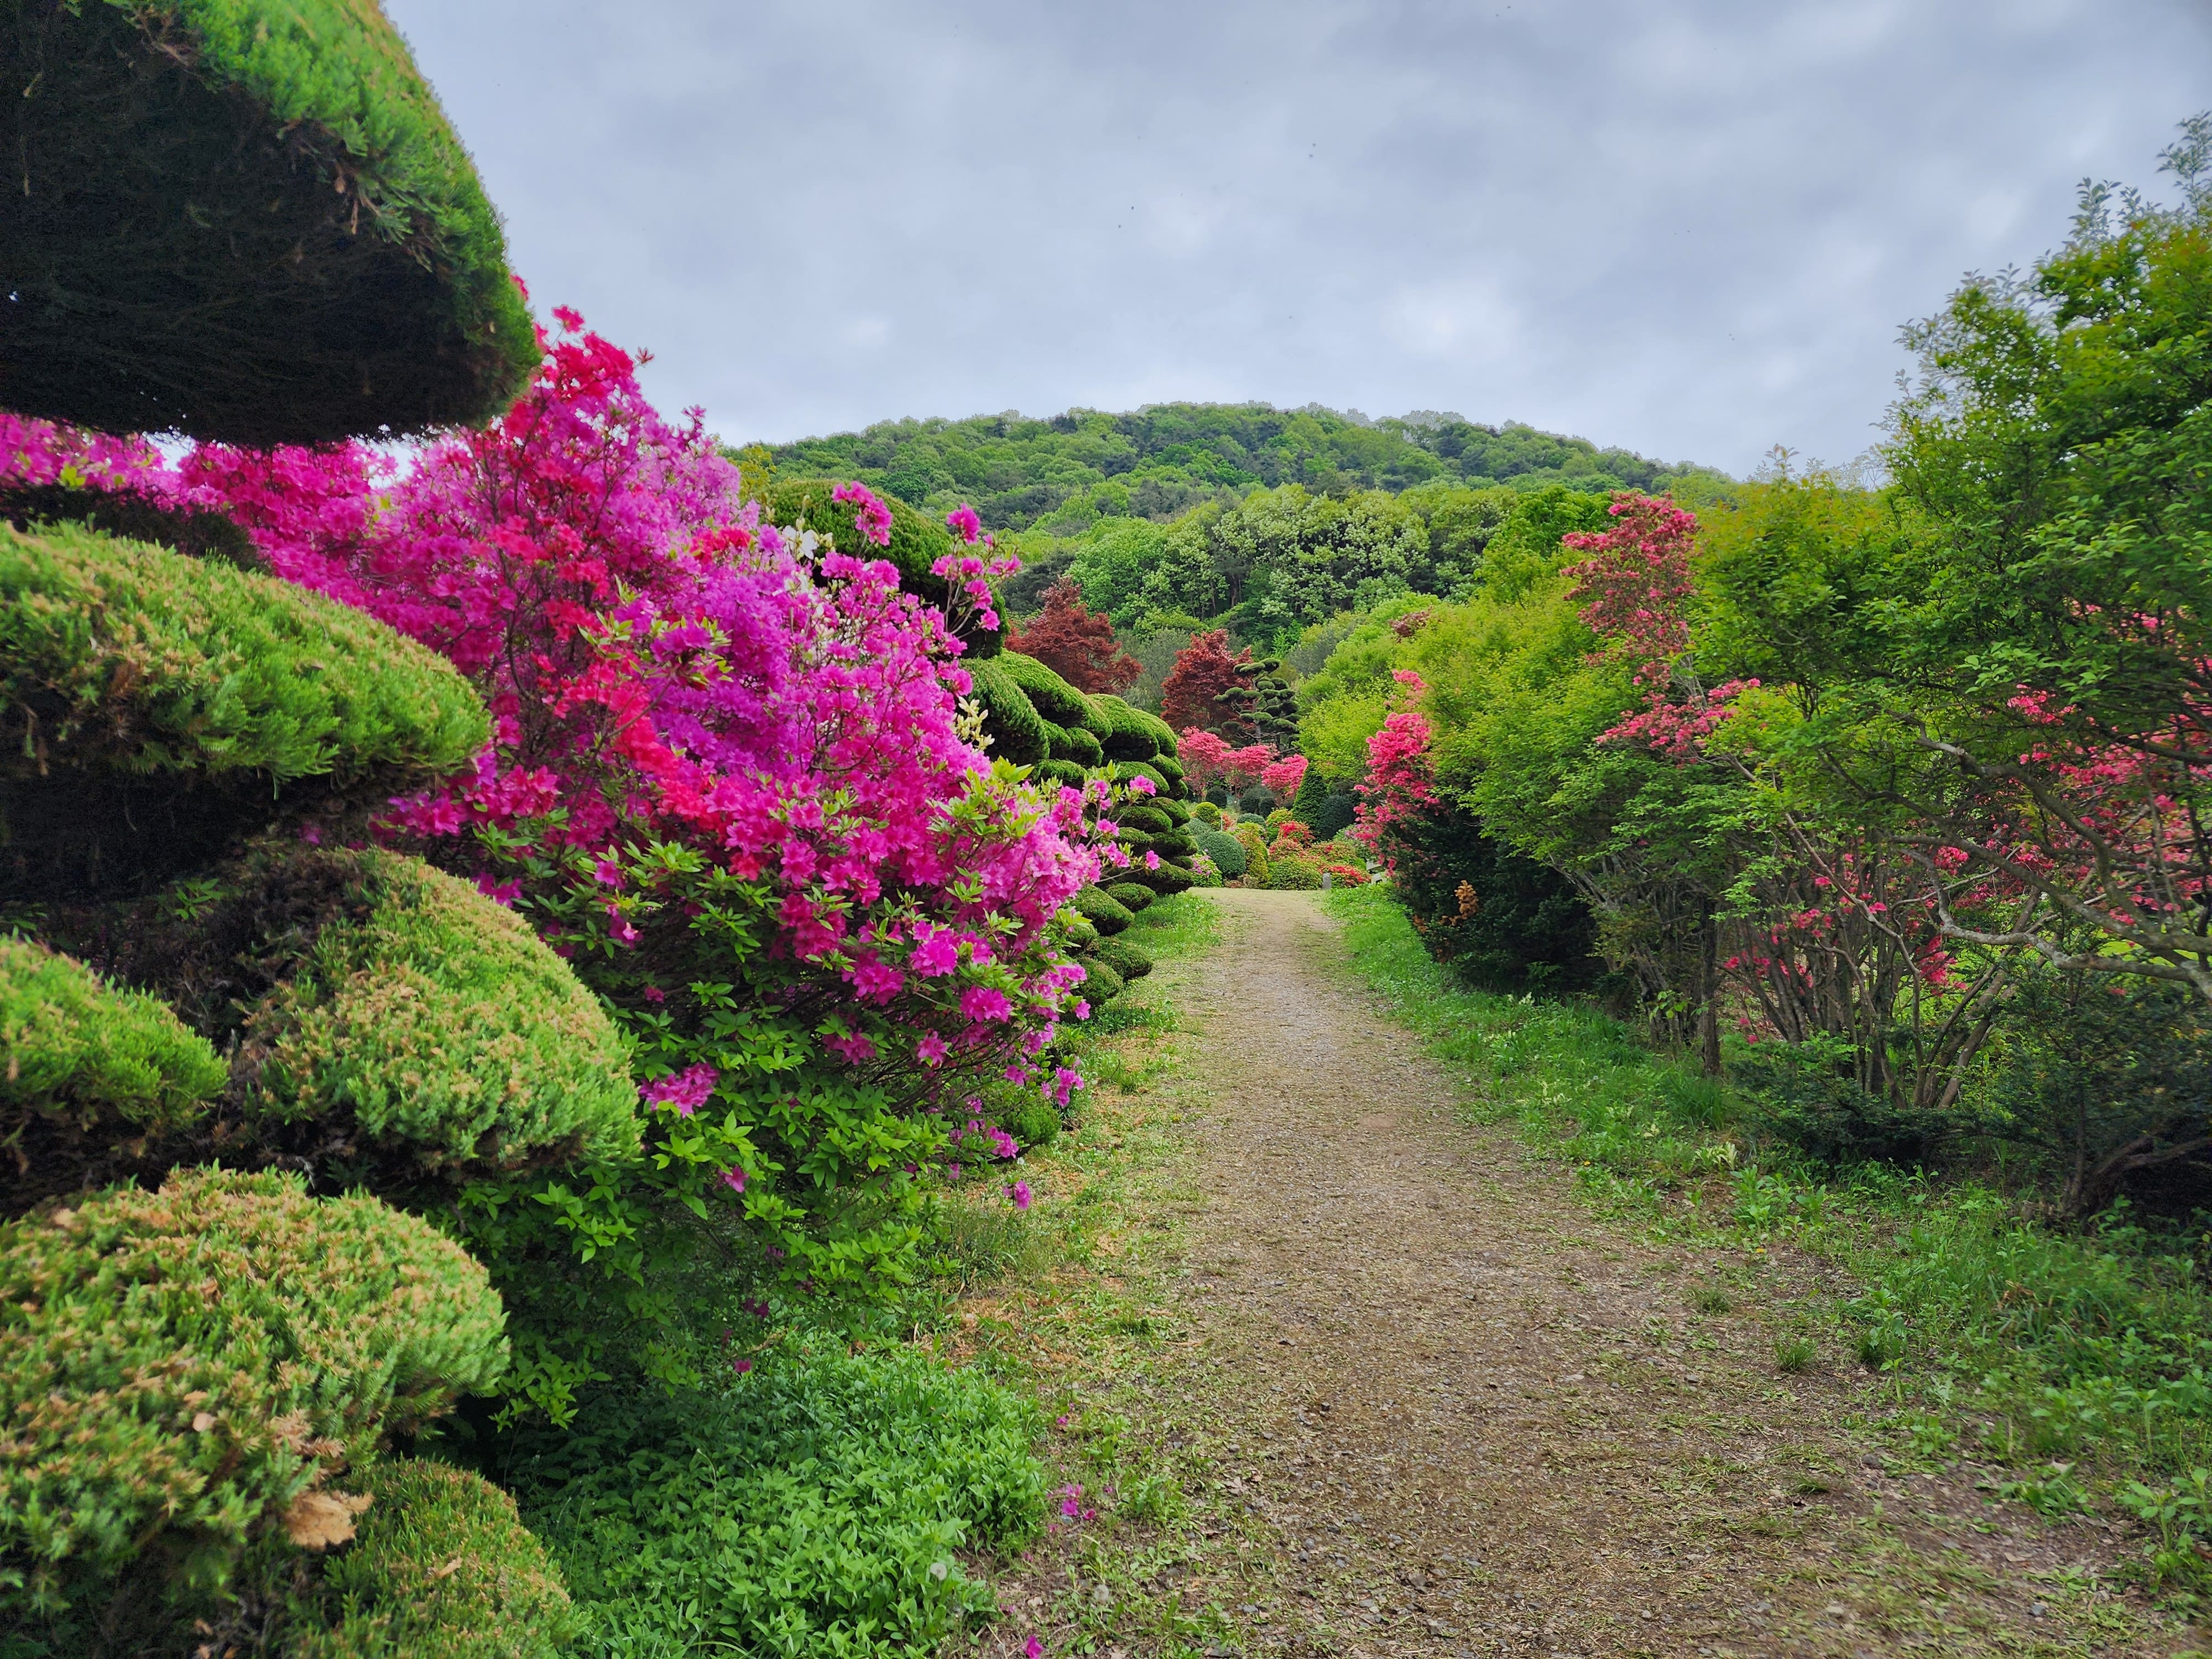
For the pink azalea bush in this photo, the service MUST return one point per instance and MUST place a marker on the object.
(728, 783)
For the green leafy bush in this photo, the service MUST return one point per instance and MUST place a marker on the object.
(1207, 813)
(437, 1024)
(1293, 871)
(1032, 1120)
(1124, 958)
(88, 1067)
(1071, 774)
(179, 1370)
(442, 1568)
(819, 1508)
(1101, 910)
(157, 708)
(1125, 769)
(246, 221)
(1204, 872)
(1254, 841)
(1130, 896)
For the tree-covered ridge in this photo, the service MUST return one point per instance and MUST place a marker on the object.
(1063, 474)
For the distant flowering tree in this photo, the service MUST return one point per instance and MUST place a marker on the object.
(729, 783)
(1076, 644)
(1401, 786)
(1191, 695)
(1282, 778)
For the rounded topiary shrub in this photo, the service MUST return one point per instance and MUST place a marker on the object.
(1054, 698)
(1129, 895)
(1207, 812)
(181, 1371)
(155, 709)
(91, 1074)
(1101, 910)
(1124, 958)
(1227, 853)
(442, 1568)
(246, 221)
(1076, 744)
(1101, 983)
(428, 1022)
(1016, 731)
(1293, 873)
(1129, 735)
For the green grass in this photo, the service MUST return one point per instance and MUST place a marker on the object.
(1985, 1329)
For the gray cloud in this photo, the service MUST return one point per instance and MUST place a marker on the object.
(1690, 228)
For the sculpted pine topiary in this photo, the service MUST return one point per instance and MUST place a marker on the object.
(244, 222)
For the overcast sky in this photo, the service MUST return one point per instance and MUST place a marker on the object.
(1689, 229)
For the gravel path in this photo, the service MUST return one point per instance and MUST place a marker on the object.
(1476, 1420)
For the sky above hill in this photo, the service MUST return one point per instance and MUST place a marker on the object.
(1690, 229)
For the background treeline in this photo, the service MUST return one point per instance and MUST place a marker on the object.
(1064, 474)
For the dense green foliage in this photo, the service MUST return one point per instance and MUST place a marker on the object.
(218, 198)
(819, 1507)
(441, 1567)
(1064, 474)
(88, 1053)
(157, 708)
(436, 1026)
(181, 1367)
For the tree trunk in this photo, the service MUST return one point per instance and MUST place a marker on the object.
(1709, 990)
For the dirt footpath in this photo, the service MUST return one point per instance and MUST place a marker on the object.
(1475, 1419)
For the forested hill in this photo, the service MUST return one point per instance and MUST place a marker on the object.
(1063, 474)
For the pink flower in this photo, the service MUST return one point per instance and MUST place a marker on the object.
(984, 1002)
(936, 953)
(686, 1090)
(963, 521)
(1065, 1082)
(734, 1179)
(873, 517)
(931, 1050)
(1034, 1649)
(1020, 1192)
(1151, 859)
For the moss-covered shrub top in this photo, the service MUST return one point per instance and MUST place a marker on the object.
(79, 1049)
(247, 221)
(1010, 720)
(121, 662)
(1129, 737)
(441, 1025)
(182, 1366)
(1101, 910)
(1054, 698)
(1130, 895)
(442, 1568)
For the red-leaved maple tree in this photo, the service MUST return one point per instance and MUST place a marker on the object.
(1203, 671)
(1077, 644)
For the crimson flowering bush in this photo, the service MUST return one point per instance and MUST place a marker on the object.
(733, 783)
(1401, 786)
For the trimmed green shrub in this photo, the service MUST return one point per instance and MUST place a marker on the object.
(155, 709)
(819, 1509)
(442, 1568)
(1294, 871)
(1204, 872)
(1076, 744)
(1254, 839)
(1167, 879)
(1124, 958)
(1054, 698)
(1144, 816)
(1127, 736)
(198, 533)
(918, 542)
(1016, 731)
(1125, 769)
(78, 1049)
(1060, 772)
(1032, 1120)
(436, 1023)
(1208, 813)
(1174, 844)
(1135, 841)
(1130, 896)
(91, 1074)
(1178, 810)
(248, 221)
(1163, 738)
(1226, 851)
(1101, 983)
(180, 1371)
(1171, 768)
(1101, 910)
